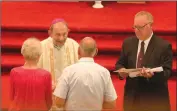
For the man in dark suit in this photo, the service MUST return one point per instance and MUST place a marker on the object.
(148, 91)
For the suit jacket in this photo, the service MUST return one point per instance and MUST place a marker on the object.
(142, 94)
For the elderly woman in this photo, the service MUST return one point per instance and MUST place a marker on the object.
(31, 87)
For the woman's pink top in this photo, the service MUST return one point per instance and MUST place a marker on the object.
(31, 89)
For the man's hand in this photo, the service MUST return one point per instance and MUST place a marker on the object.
(122, 73)
(145, 72)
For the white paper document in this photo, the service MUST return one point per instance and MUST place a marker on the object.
(129, 70)
(135, 74)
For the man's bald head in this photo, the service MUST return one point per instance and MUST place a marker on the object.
(88, 46)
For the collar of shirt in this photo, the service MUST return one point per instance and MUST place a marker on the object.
(54, 45)
(86, 59)
(57, 47)
(146, 42)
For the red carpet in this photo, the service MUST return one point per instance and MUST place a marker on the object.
(108, 26)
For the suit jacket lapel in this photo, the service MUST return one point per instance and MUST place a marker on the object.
(135, 49)
(149, 50)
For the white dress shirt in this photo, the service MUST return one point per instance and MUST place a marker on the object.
(146, 43)
(85, 85)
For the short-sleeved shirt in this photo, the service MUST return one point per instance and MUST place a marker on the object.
(85, 86)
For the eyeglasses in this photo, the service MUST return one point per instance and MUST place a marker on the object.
(140, 27)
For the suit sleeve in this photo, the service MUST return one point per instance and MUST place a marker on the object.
(166, 62)
(167, 58)
(121, 63)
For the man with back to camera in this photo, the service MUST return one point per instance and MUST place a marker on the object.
(85, 85)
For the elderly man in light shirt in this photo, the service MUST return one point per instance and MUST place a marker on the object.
(85, 85)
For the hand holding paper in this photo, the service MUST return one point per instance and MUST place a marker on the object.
(128, 70)
(125, 72)
(146, 72)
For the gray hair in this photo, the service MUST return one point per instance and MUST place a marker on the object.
(31, 49)
(149, 15)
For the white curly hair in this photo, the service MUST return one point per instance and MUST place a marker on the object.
(31, 49)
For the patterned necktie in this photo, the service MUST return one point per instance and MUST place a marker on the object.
(140, 56)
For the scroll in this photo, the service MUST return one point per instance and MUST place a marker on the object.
(136, 73)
